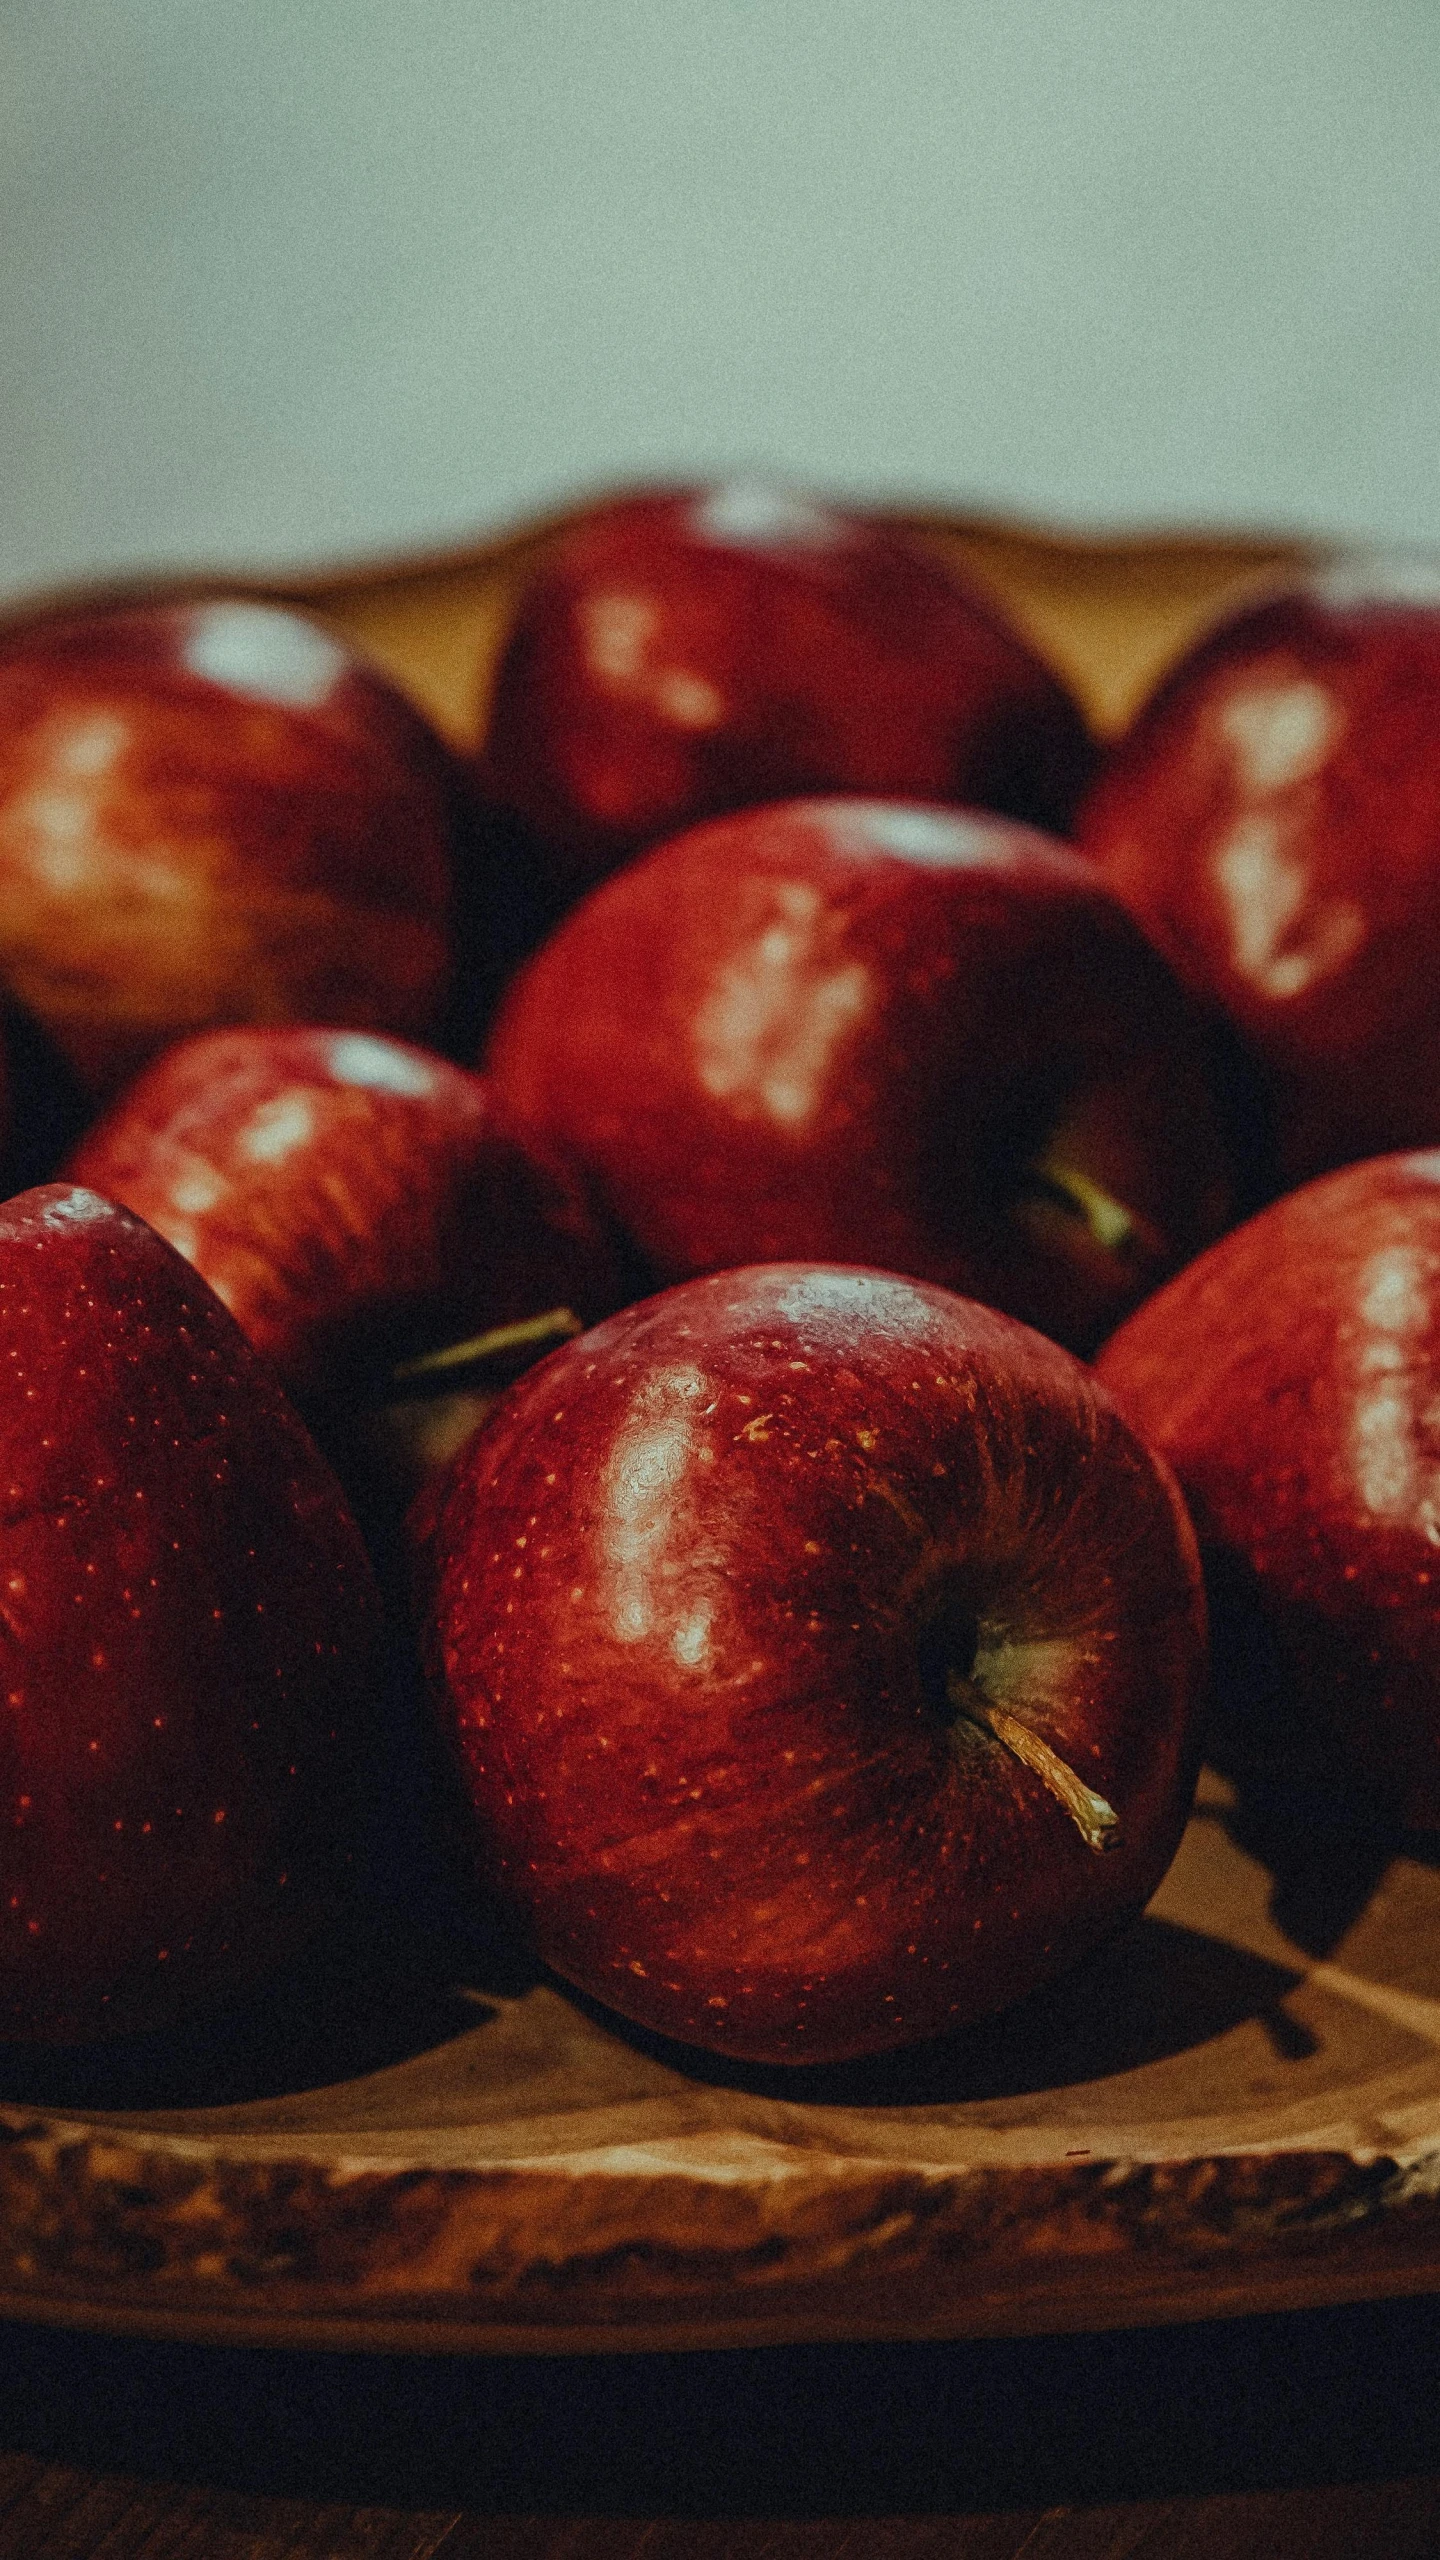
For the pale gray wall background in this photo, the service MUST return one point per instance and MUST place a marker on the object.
(286, 280)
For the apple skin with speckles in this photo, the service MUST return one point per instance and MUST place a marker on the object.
(678, 653)
(352, 1199)
(188, 1640)
(216, 812)
(1272, 820)
(853, 1031)
(1291, 1378)
(722, 1595)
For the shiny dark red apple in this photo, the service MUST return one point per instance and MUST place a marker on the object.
(187, 1639)
(1291, 1376)
(1273, 821)
(875, 1032)
(822, 1655)
(676, 654)
(351, 1199)
(212, 813)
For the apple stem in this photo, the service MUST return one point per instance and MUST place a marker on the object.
(1116, 1227)
(558, 1324)
(1096, 1821)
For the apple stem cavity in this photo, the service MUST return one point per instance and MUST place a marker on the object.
(1096, 1821)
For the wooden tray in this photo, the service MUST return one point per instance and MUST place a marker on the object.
(1236, 2106)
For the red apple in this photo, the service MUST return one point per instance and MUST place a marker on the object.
(1273, 821)
(676, 654)
(823, 1656)
(211, 813)
(351, 1199)
(855, 1031)
(187, 1638)
(1291, 1376)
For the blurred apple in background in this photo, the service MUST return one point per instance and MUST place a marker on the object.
(823, 1658)
(919, 1038)
(213, 812)
(678, 654)
(1273, 821)
(1291, 1376)
(188, 1640)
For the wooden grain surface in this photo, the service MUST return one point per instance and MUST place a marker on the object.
(69, 2515)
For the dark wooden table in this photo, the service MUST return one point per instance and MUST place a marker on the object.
(1315, 2435)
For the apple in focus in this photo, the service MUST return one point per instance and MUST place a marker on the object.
(823, 1658)
(1273, 822)
(1291, 1378)
(675, 654)
(188, 1640)
(851, 1031)
(215, 812)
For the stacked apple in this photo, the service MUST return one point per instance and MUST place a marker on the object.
(213, 812)
(876, 1032)
(1272, 821)
(821, 1651)
(360, 1205)
(676, 655)
(823, 1655)
(188, 1639)
(1291, 1376)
